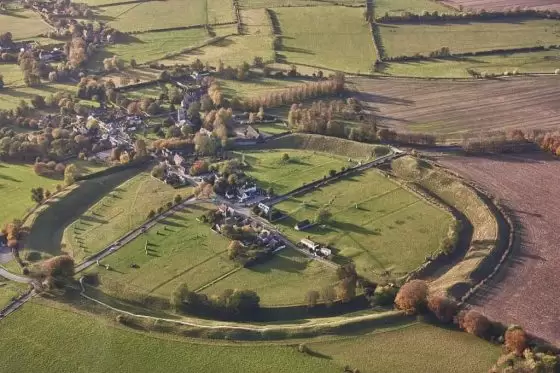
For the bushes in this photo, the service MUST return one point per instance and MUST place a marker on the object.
(411, 298)
(384, 295)
(473, 322)
(442, 307)
(515, 340)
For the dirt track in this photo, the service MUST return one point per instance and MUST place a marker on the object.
(453, 107)
(527, 289)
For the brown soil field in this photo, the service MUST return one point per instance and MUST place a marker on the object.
(526, 290)
(497, 5)
(454, 107)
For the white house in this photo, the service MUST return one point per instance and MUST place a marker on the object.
(309, 244)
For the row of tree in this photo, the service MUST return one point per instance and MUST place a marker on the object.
(287, 96)
(229, 305)
(322, 118)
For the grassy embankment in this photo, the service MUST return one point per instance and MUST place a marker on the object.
(463, 198)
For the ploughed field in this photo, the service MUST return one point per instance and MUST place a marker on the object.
(456, 107)
(497, 5)
(526, 290)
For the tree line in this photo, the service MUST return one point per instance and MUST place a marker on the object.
(324, 118)
(229, 305)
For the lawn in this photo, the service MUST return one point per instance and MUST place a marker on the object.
(383, 228)
(327, 37)
(399, 7)
(97, 346)
(49, 222)
(121, 210)
(303, 167)
(16, 181)
(183, 250)
(283, 280)
(535, 62)
(155, 15)
(22, 23)
(399, 40)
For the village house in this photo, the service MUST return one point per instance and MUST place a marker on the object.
(303, 225)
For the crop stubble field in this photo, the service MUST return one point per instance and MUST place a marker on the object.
(526, 290)
(456, 107)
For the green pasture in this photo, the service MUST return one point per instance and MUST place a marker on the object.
(303, 167)
(121, 210)
(283, 280)
(409, 39)
(326, 37)
(155, 15)
(24, 24)
(48, 223)
(256, 41)
(534, 62)
(399, 7)
(384, 229)
(16, 181)
(256, 87)
(98, 345)
(183, 250)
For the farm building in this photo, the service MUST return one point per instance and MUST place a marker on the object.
(303, 225)
(309, 244)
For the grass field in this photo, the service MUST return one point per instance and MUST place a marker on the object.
(337, 38)
(415, 348)
(22, 23)
(182, 250)
(146, 16)
(331, 145)
(398, 7)
(293, 3)
(273, 129)
(15, 90)
(98, 346)
(16, 181)
(303, 167)
(256, 41)
(155, 45)
(49, 222)
(256, 87)
(535, 62)
(399, 40)
(121, 210)
(283, 280)
(8, 290)
(383, 228)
